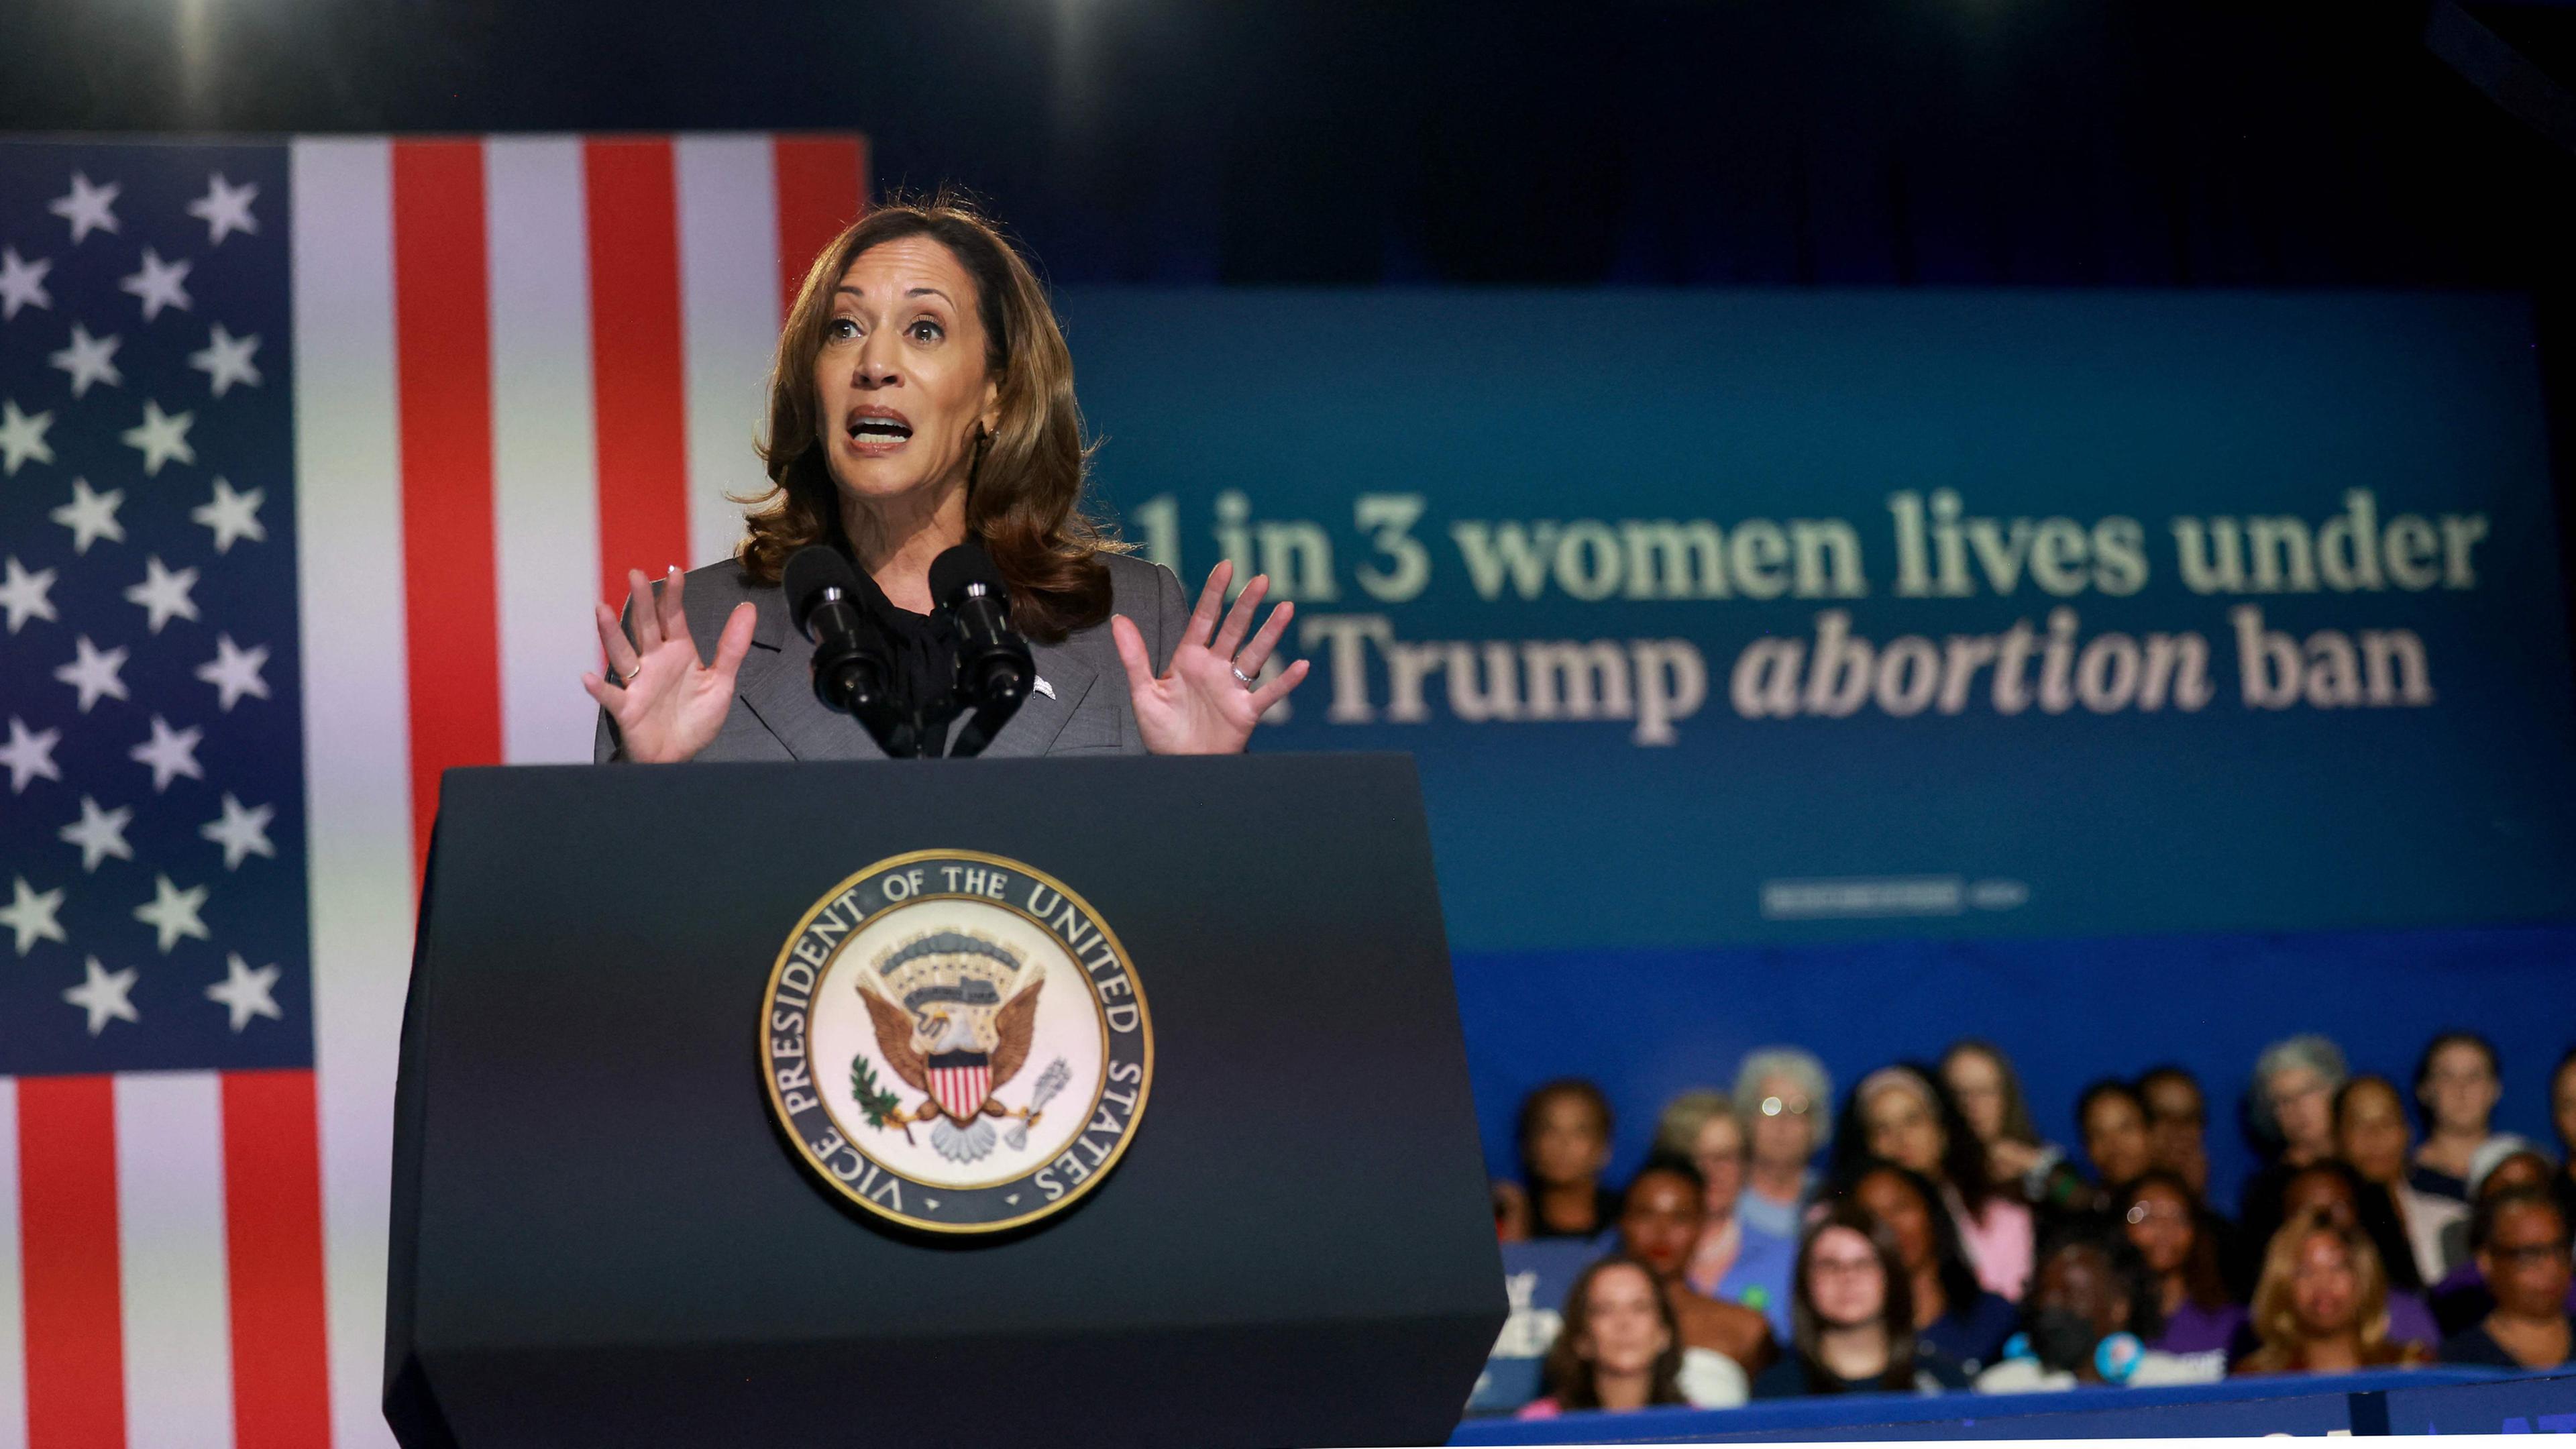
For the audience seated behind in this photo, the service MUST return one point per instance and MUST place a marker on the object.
(2177, 1125)
(2289, 1107)
(2171, 1229)
(2321, 1305)
(1854, 1318)
(2458, 1082)
(1619, 1348)
(2505, 1164)
(2372, 1135)
(2088, 1320)
(1941, 1181)
(1564, 1138)
(1981, 1080)
(1953, 1315)
(2520, 1239)
(1902, 1114)
(1780, 1096)
(1659, 1222)
(1733, 1261)
(2113, 1120)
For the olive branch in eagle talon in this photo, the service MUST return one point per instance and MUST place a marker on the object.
(876, 1103)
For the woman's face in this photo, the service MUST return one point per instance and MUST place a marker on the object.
(1894, 1202)
(2319, 1194)
(1660, 1222)
(2459, 1089)
(1978, 1085)
(2303, 1104)
(1625, 1333)
(1566, 1145)
(2160, 1227)
(2115, 1138)
(901, 383)
(1845, 1280)
(2562, 1106)
(2325, 1289)
(1719, 1151)
(1903, 1130)
(2372, 1133)
(1784, 1132)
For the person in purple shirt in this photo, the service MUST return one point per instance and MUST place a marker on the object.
(2169, 1228)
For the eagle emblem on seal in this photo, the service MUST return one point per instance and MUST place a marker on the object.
(954, 1014)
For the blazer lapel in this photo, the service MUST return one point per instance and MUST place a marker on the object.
(778, 688)
(1041, 718)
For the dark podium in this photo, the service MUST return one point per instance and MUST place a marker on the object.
(601, 1237)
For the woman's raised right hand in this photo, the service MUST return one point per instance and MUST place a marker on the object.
(667, 704)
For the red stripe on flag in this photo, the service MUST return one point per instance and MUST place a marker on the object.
(638, 384)
(818, 185)
(273, 1259)
(69, 1272)
(443, 371)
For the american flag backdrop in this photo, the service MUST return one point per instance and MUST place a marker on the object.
(313, 458)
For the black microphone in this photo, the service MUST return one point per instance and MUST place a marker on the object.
(853, 672)
(994, 670)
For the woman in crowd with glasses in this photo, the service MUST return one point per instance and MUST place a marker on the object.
(1728, 1262)
(1780, 1096)
(2521, 1242)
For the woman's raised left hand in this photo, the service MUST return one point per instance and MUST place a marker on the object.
(1200, 706)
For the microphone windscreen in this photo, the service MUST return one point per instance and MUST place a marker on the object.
(811, 570)
(965, 564)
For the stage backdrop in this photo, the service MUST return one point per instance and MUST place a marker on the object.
(1721, 625)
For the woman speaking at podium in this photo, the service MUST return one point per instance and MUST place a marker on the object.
(922, 396)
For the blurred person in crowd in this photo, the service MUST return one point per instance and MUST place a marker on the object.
(1989, 1095)
(1780, 1097)
(2168, 1226)
(1618, 1349)
(2113, 1119)
(2322, 1304)
(2562, 1115)
(2089, 1318)
(1729, 1262)
(2521, 1242)
(1900, 1113)
(2290, 1107)
(2177, 1125)
(1855, 1318)
(2457, 1082)
(1659, 1223)
(1952, 1312)
(2371, 1134)
(2330, 1189)
(2505, 1164)
(1564, 1136)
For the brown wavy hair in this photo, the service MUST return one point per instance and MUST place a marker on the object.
(1024, 493)
(1566, 1375)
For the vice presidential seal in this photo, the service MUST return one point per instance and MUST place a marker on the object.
(957, 1042)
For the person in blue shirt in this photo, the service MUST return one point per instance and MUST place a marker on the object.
(1732, 1261)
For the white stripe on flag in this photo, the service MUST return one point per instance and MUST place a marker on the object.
(357, 730)
(13, 1322)
(545, 489)
(728, 324)
(170, 1231)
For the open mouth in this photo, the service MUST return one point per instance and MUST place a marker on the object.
(878, 429)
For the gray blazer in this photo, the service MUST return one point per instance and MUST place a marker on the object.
(1080, 707)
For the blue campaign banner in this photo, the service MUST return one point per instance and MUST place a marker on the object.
(1798, 617)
